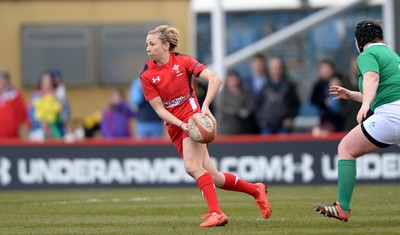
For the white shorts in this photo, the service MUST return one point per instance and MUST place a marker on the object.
(383, 127)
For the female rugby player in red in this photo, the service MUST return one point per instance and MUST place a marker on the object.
(167, 85)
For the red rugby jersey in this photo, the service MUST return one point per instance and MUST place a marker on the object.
(172, 82)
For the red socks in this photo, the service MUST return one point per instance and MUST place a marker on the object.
(234, 183)
(207, 188)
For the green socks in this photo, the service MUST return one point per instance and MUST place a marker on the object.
(346, 182)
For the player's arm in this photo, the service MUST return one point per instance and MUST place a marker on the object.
(357, 96)
(370, 86)
(343, 93)
(214, 82)
(165, 115)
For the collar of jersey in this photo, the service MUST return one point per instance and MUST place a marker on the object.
(376, 44)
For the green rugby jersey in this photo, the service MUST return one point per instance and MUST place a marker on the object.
(381, 59)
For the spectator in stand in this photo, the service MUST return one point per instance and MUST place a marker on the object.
(61, 95)
(334, 119)
(258, 77)
(91, 125)
(116, 118)
(148, 124)
(330, 121)
(46, 113)
(349, 108)
(278, 102)
(60, 90)
(234, 105)
(12, 108)
(256, 82)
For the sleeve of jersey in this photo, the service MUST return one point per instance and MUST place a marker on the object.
(367, 63)
(149, 91)
(194, 66)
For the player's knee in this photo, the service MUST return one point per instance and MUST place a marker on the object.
(343, 151)
(192, 169)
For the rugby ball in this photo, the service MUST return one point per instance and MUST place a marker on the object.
(201, 129)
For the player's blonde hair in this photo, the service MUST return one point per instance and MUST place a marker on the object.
(168, 34)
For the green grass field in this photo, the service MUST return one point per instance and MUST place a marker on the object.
(375, 210)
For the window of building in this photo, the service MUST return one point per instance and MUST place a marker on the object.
(67, 48)
(122, 51)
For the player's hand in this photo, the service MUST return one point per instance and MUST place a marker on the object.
(206, 111)
(184, 127)
(340, 92)
(362, 114)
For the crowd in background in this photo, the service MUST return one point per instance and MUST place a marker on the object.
(266, 102)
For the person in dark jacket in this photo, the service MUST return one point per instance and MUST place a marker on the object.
(278, 102)
(330, 119)
(235, 105)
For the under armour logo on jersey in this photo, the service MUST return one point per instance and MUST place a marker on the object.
(176, 69)
(157, 79)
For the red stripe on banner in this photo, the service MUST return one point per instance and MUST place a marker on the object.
(165, 141)
(279, 138)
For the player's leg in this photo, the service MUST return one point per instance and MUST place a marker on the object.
(352, 146)
(194, 154)
(228, 181)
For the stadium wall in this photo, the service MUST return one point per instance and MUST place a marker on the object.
(84, 99)
(299, 159)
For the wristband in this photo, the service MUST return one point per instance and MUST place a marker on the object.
(180, 125)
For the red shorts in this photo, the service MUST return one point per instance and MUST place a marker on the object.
(177, 135)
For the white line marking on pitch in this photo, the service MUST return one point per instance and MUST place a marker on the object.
(97, 200)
